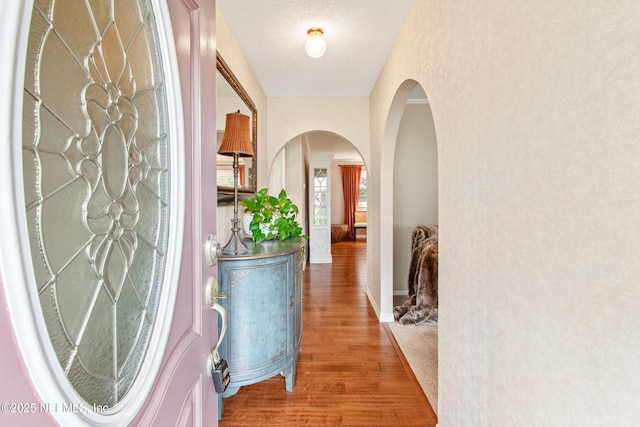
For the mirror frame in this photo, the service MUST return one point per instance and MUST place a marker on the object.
(226, 193)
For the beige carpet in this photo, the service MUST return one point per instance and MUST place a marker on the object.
(419, 344)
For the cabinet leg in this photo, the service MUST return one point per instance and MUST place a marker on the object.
(290, 378)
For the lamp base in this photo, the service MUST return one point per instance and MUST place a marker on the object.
(234, 246)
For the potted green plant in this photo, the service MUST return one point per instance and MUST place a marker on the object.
(272, 217)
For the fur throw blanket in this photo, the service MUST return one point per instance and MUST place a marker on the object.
(423, 278)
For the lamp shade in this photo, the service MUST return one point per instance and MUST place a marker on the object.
(237, 136)
(315, 45)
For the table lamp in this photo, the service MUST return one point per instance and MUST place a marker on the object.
(236, 142)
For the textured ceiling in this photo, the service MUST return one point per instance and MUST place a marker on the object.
(359, 36)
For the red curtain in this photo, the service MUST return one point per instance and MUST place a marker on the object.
(351, 191)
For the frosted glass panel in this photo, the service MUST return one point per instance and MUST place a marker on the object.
(320, 191)
(95, 156)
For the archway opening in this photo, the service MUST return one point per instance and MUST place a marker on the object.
(409, 202)
(415, 183)
(290, 170)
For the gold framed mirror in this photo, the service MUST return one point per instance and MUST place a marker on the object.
(231, 97)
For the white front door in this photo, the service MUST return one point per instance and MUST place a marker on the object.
(105, 212)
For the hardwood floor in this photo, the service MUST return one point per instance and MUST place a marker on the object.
(350, 371)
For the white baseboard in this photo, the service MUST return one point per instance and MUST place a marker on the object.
(386, 318)
(373, 303)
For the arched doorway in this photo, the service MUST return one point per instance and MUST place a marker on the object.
(415, 182)
(289, 169)
(409, 190)
(408, 93)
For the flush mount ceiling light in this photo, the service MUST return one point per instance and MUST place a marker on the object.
(315, 45)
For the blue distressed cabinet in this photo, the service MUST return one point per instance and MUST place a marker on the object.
(263, 290)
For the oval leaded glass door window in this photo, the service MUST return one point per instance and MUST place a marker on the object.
(96, 156)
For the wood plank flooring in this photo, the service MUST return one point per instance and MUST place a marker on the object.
(350, 371)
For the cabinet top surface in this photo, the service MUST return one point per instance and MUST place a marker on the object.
(267, 248)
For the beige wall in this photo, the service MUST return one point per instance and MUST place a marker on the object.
(537, 112)
(295, 171)
(347, 117)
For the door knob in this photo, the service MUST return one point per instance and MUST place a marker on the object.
(211, 249)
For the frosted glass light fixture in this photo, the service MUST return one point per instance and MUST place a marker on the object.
(315, 45)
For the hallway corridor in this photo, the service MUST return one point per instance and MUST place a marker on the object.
(350, 371)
